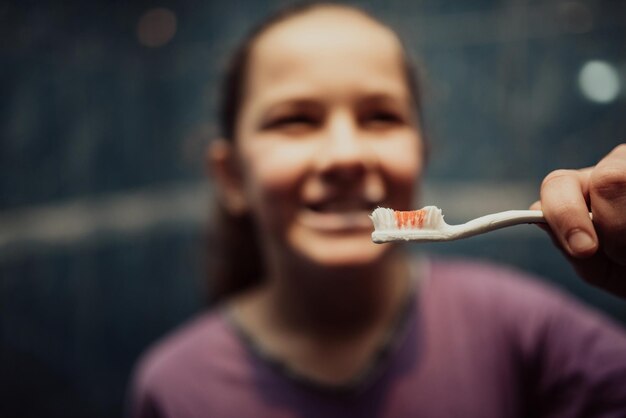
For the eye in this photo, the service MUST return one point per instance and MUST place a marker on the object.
(382, 119)
(296, 122)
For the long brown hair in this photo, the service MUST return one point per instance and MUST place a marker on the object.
(239, 262)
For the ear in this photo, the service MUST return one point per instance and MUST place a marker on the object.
(225, 168)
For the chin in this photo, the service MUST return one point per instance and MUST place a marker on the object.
(342, 251)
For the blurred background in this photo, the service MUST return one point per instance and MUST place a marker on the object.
(107, 106)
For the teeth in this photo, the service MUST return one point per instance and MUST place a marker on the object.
(342, 207)
(337, 220)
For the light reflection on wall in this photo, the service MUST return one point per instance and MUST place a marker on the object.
(599, 81)
(156, 27)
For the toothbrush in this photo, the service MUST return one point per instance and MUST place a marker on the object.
(427, 224)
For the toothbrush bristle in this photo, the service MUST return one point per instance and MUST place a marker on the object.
(429, 217)
(410, 218)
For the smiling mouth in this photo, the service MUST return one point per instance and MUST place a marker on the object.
(339, 216)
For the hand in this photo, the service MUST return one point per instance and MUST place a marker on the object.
(597, 249)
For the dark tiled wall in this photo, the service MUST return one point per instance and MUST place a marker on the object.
(87, 112)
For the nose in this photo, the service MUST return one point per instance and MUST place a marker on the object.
(344, 156)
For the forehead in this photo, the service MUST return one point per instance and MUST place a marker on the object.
(327, 45)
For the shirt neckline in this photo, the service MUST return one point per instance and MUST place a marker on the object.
(375, 367)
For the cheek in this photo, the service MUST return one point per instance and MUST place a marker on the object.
(401, 160)
(273, 171)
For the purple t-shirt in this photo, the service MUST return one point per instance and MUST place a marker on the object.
(477, 341)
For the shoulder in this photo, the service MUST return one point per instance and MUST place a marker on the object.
(487, 282)
(193, 352)
(205, 332)
(495, 295)
(571, 351)
(516, 302)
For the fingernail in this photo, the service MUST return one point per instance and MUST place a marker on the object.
(581, 242)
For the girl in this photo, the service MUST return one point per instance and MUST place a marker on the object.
(320, 122)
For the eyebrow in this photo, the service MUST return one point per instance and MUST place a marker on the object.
(384, 98)
(308, 103)
(292, 104)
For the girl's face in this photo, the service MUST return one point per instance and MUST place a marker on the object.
(326, 134)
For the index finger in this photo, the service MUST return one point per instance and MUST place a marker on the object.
(564, 195)
(607, 190)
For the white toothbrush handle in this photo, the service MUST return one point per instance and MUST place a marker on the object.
(495, 221)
